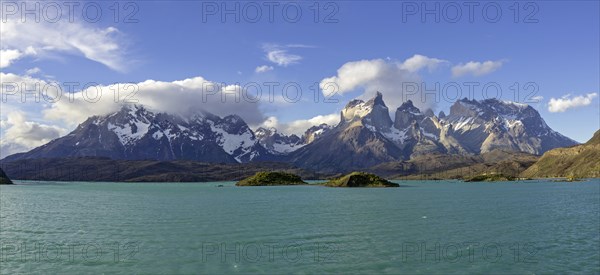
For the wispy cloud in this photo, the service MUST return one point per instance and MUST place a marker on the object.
(20, 39)
(263, 69)
(33, 71)
(567, 102)
(476, 68)
(280, 55)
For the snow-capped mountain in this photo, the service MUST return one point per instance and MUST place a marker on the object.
(277, 143)
(490, 124)
(137, 133)
(363, 138)
(366, 135)
(315, 132)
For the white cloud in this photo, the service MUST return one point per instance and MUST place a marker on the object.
(29, 38)
(567, 102)
(263, 69)
(7, 57)
(388, 77)
(476, 68)
(418, 62)
(298, 127)
(21, 135)
(279, 54)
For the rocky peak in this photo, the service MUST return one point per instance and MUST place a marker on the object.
(466, 108)
(277, 143)
(262, 132)
(406, 114)
(373, 113)
(377, 100)
(429, 113)
(234, 124)
(315, 132)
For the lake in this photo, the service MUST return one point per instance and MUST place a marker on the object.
(443, 227)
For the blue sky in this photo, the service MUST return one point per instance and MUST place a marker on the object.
(171, 41)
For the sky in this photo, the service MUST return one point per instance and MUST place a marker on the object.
(307, 59)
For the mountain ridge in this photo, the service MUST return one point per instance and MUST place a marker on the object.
(365, 136)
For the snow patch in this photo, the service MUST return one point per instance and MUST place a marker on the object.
(285, 148)
(234, 142)
(395, 135)
(126, 134)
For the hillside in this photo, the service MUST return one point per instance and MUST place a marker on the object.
(581, 161)
(105, 169)
(443, 166)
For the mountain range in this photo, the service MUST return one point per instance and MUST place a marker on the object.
(366, 136)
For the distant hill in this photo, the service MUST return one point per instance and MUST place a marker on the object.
(443, 166)
(105, 169)
(580, 161)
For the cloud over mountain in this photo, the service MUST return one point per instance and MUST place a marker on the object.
(391, 78)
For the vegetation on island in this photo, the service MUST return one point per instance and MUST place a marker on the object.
(488, 177)
(360, 179)
(271, 179)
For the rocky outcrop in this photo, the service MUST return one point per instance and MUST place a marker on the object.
(4, 178)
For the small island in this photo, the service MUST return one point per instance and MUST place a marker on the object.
(271, 179)
(360, 179)
(4, 178)
(490, 177)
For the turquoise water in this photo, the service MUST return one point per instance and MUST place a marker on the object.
(430, 227)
